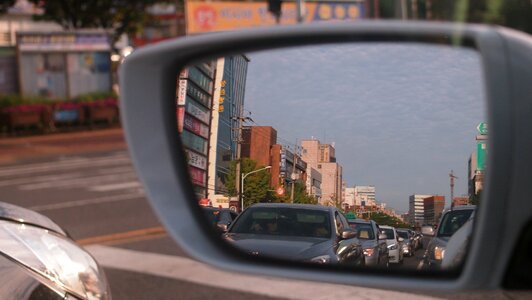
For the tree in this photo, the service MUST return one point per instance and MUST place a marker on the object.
(120, 16)
(474, 199)
(256, 186)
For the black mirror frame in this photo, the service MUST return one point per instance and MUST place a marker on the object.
(148, 85)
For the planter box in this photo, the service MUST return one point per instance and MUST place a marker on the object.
(96, 113)
(25, 119)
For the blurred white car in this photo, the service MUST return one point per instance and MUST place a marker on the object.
(395, 244)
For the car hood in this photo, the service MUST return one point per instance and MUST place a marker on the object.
(287, 247)
(19, 214)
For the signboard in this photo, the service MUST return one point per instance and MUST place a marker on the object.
(194, 142)
(481, 155)
(180, 118)
(196, 126)
(482, 128)
(221, 16)
(61, 41)
(196, 160)
(199, 112)
(182, 92)
(197, 176)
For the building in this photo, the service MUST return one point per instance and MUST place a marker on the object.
(365, 195)
(416, 209)
(322, 158)
(257, 142)
(433, 207)
(350, 196)
(195, 91)
(457, 201)
(313, 183)
(288, 167)
(227, 107)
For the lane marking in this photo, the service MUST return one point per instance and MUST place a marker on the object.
(86, 202)
(38, 179)
(79, 182)
(115, 186)
(61, 165)
(124, 237)
(186, 269)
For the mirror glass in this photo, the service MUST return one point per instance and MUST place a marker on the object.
(364, 154)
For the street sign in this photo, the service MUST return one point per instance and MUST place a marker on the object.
(280, 191)
(482, 128)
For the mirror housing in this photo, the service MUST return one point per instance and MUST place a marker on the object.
(349, 234)
(427, 230)
(382, 236)
(400, 239)
(159, 158)
(222, 227)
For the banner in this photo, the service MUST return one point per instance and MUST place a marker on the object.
(220, 16)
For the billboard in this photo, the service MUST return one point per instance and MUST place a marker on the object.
(481, 155)
(221, 16)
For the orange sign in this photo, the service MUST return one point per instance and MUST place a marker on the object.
(221, 16)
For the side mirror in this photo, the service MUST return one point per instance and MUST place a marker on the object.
(222, 227)
(382, 236)
(401, 239)
(349, 234)
(427, 230)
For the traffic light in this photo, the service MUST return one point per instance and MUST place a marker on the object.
(274, 6)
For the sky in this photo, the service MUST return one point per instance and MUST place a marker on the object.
(401, 116)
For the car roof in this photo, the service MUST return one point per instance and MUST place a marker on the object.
(363, 221)
(293, 205)
(386, 226)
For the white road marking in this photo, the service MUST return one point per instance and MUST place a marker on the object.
(185, 269)
(83, 182)
(38, 179)
(86, 202)
(116, 186)
(64, 165)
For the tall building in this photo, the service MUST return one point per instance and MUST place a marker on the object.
(257, 142)
(227, 107)
(195, 91)
(416, 209)
(433, 207)
(322, 158)
(288, 167)
(350, 196)
(313, 183)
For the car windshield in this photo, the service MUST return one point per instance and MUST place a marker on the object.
(389, 233)
(452, 221)
(403, 234)
(212, 215)
(364, 231)
(284, 221)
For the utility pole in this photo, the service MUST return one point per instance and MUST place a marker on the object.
(239, 140)
(452, 177)
(293, 176)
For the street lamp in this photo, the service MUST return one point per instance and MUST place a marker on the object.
(243, 176)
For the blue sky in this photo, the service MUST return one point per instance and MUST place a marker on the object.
(401, 116)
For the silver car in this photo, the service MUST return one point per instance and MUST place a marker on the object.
(373, 242)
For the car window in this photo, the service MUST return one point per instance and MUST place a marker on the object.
(364, 230)
(452, 221)
(403, 234)
(339, 224)
(390, 235)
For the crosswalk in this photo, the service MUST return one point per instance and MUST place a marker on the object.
(97, 179)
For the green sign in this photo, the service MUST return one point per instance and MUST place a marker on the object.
(481, 155)
(482, 128)
(350, 215)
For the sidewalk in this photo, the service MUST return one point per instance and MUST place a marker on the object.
(15, 149)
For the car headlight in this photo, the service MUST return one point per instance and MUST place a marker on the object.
(322, 259)
(368, 251)
(60, 263)
(392, 247)
(439, 253)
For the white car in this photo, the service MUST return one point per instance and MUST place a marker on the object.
(395, 244)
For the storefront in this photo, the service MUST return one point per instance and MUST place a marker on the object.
(64, 65)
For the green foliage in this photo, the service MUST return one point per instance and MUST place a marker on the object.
(121, 16)
(256, 185)
(95, 96)
(14, 100)
(384, 219)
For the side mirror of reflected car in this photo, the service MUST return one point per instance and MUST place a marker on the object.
(349, 234)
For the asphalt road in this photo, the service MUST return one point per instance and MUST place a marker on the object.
(99, 201)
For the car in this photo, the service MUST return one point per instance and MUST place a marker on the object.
(308, 233)
(373, 242)
(450, 222)
(40, 261)
(219, 218)
(394, 243)
(408, 243)
(505, 58)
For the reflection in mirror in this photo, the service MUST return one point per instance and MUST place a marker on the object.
(367, 154)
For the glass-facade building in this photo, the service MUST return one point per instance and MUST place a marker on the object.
(233, 87)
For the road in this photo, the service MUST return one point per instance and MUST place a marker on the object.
(97, 198)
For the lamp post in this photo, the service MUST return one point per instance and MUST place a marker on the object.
(243, 176)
